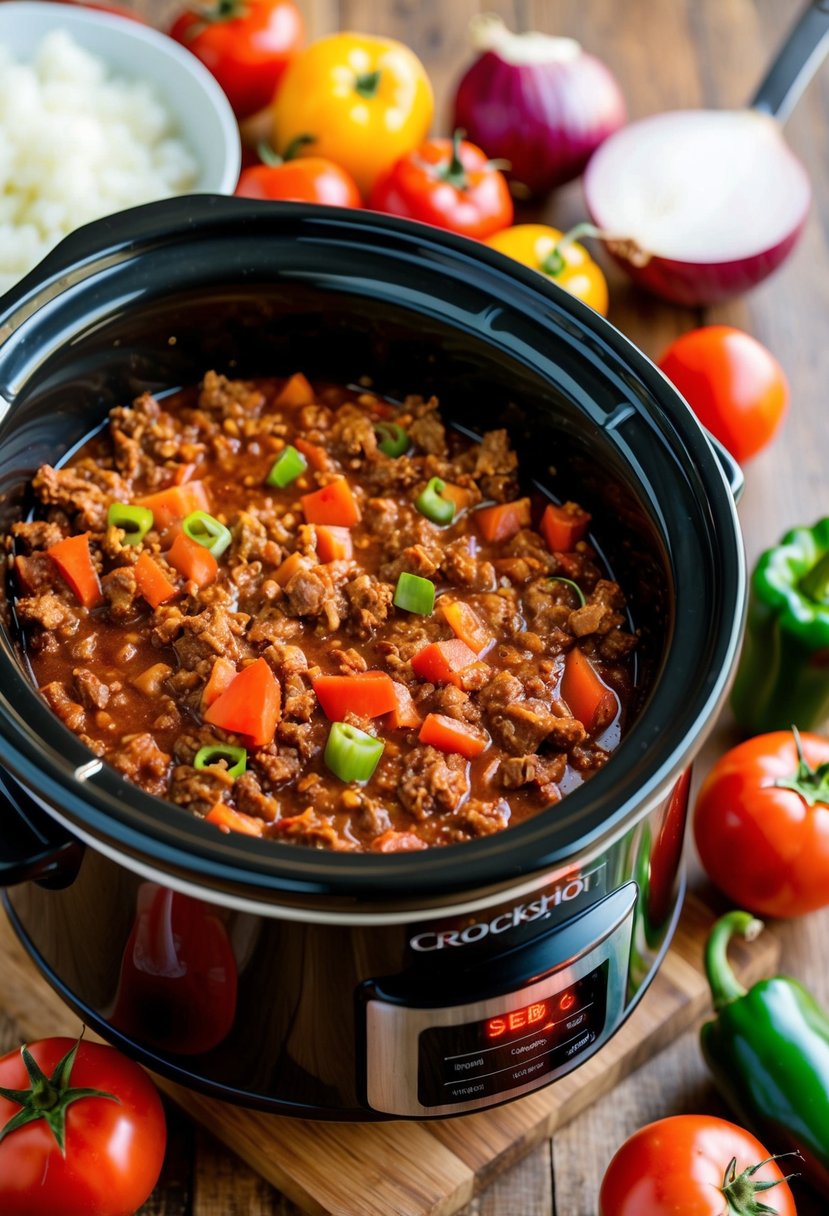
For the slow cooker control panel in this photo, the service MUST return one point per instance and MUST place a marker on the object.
(458, 1057)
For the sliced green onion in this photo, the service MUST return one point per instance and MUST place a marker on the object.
(236, 758)
(414, 594)
(350, 753)
(429, 503)
(287, 467)
(391, 438)
(207, 531)
(568, 582)
(134, 522)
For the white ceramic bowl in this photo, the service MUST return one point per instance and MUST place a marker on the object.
(203, 115)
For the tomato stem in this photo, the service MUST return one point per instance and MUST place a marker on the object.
(453, 170)
(741, 1191)
(47, 1097)
(812, 784)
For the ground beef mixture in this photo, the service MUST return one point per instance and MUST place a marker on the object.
(177, 653)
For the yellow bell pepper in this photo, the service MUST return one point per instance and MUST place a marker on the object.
(548, 251)
(365, 101)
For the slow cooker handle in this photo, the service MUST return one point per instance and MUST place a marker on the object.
(733, 473)
(33, 846)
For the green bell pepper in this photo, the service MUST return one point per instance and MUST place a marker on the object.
(783, 675)
(768, 1050)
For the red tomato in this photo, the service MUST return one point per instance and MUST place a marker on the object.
(767, 846)
(246, 44)
(307, 179)
(114, 1149)
(448, 183)
(680, 1166)
(736, 387)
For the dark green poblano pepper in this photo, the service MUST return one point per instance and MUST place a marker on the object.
(783, 674)
(768, 1050)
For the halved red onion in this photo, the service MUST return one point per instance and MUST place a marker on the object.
(540, 103)
(699, 205)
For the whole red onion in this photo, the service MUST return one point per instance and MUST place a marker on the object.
(539, 102)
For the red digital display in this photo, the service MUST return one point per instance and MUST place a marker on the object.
(518, 1021)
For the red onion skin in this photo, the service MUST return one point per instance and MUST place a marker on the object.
(536, 115)
(698, 284)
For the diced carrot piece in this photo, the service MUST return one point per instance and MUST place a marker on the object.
(588, 697)
(333, 504)
(405, 712)
(367, 694)
(193, 560)
(503, 520)
(250, 705)
(227, 820)
(563, 526)
(461, 497)
(465, 623)
(449, 735)
(334, 544)
(316, 456)
(397, 842)
(152, 582)
(295, 391)
(443, 662)
(74, 563)
(286, 571)
(221, 677)
(175, 503)
(150, 680)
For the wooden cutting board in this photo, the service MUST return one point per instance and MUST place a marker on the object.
(419, 1169)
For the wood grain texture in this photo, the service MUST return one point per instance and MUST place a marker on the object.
(403, 1168)
(666, 54)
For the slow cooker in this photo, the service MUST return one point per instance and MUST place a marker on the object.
(338, 985)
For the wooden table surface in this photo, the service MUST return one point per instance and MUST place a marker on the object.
(666, 54)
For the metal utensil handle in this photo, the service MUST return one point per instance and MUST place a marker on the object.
(795, 63)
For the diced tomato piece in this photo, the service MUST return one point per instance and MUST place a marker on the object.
(404, 715)
(334, 544)
(333, 504)
(221, 678)
(564, 526)
(442, 662)
(250, 705)
(152, 582)
(193, 560)
(367, 694)
(174, 503)
(227, 820)
(467, 625)
(74, 563)
(295, 391)
(449, 735)
(587, 696)
(503, 520)
(397, 842)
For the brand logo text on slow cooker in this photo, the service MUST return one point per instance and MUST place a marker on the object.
(520, 914)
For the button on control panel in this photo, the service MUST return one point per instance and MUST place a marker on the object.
(498, 1053)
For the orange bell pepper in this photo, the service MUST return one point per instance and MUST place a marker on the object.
(563, 526)
(334, 544)
(221, 678)
(503, 520)
(367, 694)
(74, 563)
(334, 504)
(442, 662)
(588, 697)
(152, 582)
(404, 715)
(465, 623)
(250, 705)
(449, 735)
(295, 391)
(174, 503)
(227, 820)
(555, 254)
(193, 560)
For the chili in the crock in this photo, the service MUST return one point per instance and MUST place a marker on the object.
(305, 614)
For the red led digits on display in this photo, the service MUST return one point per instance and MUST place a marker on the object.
(516, 1021)
(567, 1001)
